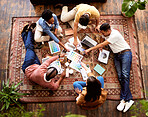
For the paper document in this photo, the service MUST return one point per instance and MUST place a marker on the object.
(54, 47)
(74, 56)
(103, 56)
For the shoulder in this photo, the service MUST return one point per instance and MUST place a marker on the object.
(54, 15)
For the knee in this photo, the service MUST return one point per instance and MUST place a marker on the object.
(63, 19)
(75, 84)
(37, 39)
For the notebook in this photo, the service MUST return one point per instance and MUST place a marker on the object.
(99, 69)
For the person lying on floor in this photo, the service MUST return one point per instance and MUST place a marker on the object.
(33, 69)
(48, 22)
(122, 59)
(90, 93)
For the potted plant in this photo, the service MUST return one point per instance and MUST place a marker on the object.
(129, 7)
(9, 95)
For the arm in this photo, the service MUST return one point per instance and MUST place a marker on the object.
(101, 45)
(80, 100)
(50, 60)
(97, 24)
(55, 32)
(89, 73)
(75, 33)
(56, 22)
(57, 84)
(61, 44)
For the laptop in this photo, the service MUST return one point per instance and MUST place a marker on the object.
(88, 42)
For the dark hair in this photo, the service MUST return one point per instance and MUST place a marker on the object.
(93, 89)
(84, 19)
(47, 14)
(105, 27)
(51, 73)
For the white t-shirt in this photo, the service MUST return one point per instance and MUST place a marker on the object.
(117, 42)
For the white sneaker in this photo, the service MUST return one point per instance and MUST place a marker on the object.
(128, 105)
(120, 107)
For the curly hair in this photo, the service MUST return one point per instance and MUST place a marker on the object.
(47, 14)
(93, 89)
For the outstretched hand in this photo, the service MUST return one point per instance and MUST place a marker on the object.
(75, 43)
(86, 51)
(62, 55)
(84, 66)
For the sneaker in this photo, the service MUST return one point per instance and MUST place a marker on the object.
(128, 105)
(25, 28)
(120, 107)
(32, 26)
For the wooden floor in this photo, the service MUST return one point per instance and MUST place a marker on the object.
(16, 8)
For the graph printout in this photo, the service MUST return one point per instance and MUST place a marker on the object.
(74, 56)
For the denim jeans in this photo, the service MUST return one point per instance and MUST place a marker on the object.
(123, 64)
(81, 84)
(30, 57)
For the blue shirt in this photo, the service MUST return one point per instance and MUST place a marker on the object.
(47, 28)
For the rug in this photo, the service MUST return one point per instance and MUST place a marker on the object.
(65, 92)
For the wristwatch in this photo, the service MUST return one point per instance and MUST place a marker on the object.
(59, 55)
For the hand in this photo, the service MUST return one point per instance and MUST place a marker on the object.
(97, 28)
(84, 66)
(100, 49)
(86, 51)
(62, 55)
(75, 43)
(63, 74)
(68, 50)
(78, 91)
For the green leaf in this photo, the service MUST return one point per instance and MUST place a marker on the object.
(146, 113)
(7, 104)
(18, 84)
(3, 107)
(141, 5)
(7, 85)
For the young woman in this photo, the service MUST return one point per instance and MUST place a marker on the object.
(90, 93)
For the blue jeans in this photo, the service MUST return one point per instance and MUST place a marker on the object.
(81, 84)
(30, 57)
(123, 64)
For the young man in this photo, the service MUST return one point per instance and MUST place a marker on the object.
(33, 69)
(122, 60)
(46, 24)
(81, 14)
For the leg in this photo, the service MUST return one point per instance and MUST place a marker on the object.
(118, 69)
(126, 66)
(67, 16)
(101, 79)
(24, 36)
(39, 38)
(30, 57)
(59, 32)
(79, 85)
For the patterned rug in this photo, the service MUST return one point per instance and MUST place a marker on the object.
(65, 92)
